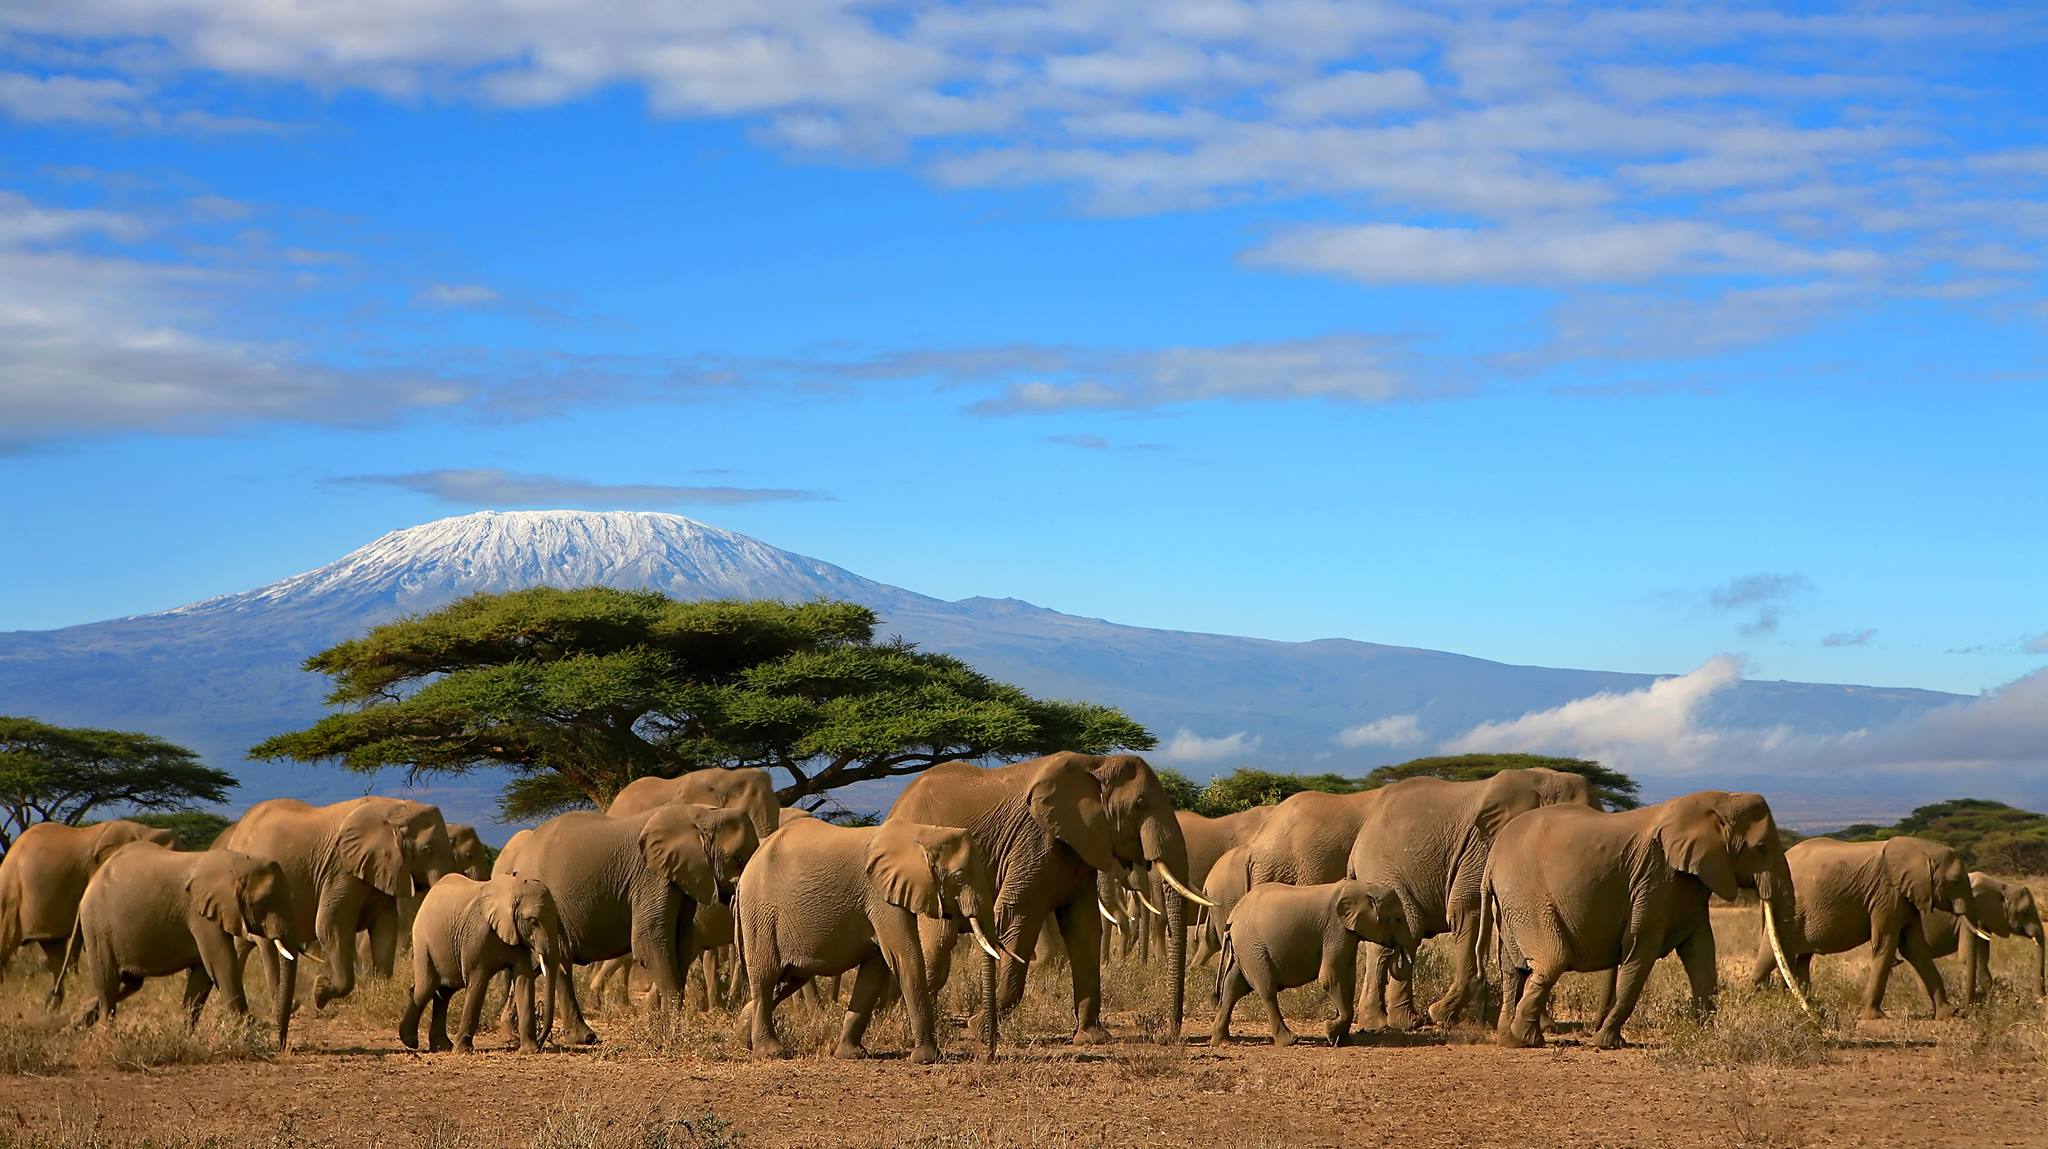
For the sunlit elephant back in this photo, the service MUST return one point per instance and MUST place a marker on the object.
(1427, 840)
(1884, 895)
(44, 875)
(1307, 839)
(1048, 826)
(743, 788)
(347, 864)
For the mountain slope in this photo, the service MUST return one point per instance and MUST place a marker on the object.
(222, 674)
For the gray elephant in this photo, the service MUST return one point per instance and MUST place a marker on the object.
(820, 899)
(1282, 936)
(472, 857)
(1571, 889)
(1228, 881)
(1208, 839)
(1047, 827)
(744, 788)
(1998, 909)
(1427, 840)
(1880, 894)
(44, 875)
(348, 864)
(630, 885)
(151, 912)
(466, 931)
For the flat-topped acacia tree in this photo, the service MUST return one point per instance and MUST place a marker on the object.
(69, 775)
(578, 692)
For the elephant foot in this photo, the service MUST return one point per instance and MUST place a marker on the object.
(585, 1036)
(1606, 1039)
(440, 1045)
(1284, 1038)
(1337, 1034)
(409, 1032)
(849, 1051)
(529, 1046)
(925, 1055)
(1514, 1037)
(1092, 1034)
(1401, 1020)
(1372, 1019)
(1442, 1015)
(1219, 1038)
(768, 1047)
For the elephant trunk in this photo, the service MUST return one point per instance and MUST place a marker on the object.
(287, 987)
(1176, 960)
(988, 1002)
(1167, 850)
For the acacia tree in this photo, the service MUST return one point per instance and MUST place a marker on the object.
(579, 692)
(63, 774)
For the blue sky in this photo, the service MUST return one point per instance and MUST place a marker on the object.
(1614, 338)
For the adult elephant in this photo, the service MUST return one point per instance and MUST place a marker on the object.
(740, 788)
(1048, 827)
(472, 857)
(1427, 840)
(1997, 908)
(1209, 839)
(1576, 890)
(1880, 894)
(347, 864)
(44, 875)
(631, 885)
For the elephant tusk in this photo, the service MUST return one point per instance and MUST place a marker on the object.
(540, 959)
(282, 951)
(1973, 929)
(1784, 964)
(1015, 956)
(1111, 918)
(1180, 888)
(980, 937)
(1147, 903)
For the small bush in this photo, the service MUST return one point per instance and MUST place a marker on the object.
(1749, 1028)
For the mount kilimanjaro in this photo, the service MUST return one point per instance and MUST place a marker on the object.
(222, 674)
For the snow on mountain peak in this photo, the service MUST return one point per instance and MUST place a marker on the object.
(423, 567)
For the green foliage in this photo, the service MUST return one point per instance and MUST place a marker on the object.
(195, 829)
(1245, 788)
(1613, 789)
(1989, 835)
(578, 692)
(61, 774)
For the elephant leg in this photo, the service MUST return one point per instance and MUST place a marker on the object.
(1702, 974)
(1969, 947)
(266, 960)
(336, 931)
(53, 955)
(661, 935)
(1233, 986)
(1400, 993)
(1884, 948)
(383, 930)
(1522, 1007)
(473, 1009)
(1372, 1003)
(197, 987)
(767, 983)
(1084, 959)
(1339, 978)
(422, 996)
(1629, 979)
(1457, 997)
(938, 939)
(575, 1030)
(523, 987)
(867, 990)
(437, 1028)
(223, 968)
(1922, 960)
(1603, 995)
(707, 964)
(1269, 995)
(1764, 966)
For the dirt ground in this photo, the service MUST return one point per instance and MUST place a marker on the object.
(1759, 1077)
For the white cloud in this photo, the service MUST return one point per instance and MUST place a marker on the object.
(458, 295)
(1394, 730)
(1188, 747)
(1656, 727)
(1345, 369)
(1849, 637)
(491, 487)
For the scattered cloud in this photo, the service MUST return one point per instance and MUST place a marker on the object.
(2038, 644)
(458, 295)
(489, 487)
(1098, 443)
(1763, 597)
(1394, 730)
(1188, 747)
(96, 100)
(1849, 637)
(1340, 369)
(1660, 721)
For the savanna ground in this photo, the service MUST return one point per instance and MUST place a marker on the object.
(1758, 1074)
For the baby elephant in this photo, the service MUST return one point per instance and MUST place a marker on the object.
(1283, 936)
(466, 931)
(151, 911)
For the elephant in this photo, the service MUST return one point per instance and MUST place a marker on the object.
(630, 885)
(45, 873)
(1427, 840)
(1047, 826)
(1848, 894)
(820, 899)
(1997, 908)
(472, 857)
(1281, 936)
(1229, 880)
(152, 911)
(465, 932)
(348, 864)
(1208, 839)
(740, 788)
(711, 929)
(1572, 889)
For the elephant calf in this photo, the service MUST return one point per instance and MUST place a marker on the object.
(465, 932)
(150, 912)
(820, 899)
(1283, 936)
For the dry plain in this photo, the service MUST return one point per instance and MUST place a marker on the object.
(1758, 1074)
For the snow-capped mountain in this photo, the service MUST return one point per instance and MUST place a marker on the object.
(222, 674)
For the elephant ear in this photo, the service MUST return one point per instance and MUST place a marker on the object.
(215, 889)
(1368, 909)
(369, 847)
(1695, 840)
(1913, 869)
(1066, 802)
(501, 909)
(105, 841)
(676, 844)
(903, 863)
(1507, 794)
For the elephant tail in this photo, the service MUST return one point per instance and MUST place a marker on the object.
(739, 950)
(1226, 956)
(72, 946)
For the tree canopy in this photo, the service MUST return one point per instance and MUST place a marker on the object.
(1612, 789)
(579, 692)
(194, 829)
(63, 774)
(1245, 788)
(1989, 835)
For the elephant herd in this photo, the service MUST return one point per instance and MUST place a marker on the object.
(1522, 868)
